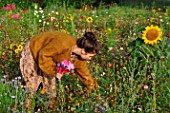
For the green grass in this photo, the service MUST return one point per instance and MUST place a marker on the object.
(123, 67)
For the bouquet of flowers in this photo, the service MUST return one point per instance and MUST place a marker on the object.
(64, 67)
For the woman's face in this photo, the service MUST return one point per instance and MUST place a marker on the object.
(87, 56)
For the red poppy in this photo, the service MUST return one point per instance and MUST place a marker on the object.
(24, 11)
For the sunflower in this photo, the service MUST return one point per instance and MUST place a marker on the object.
(20, 47)
(89, 19)
(152, 34)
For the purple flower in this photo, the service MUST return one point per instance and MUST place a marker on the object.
(9, 108)
(102, 109)
(5, 75)
(14, 81)
(16, 87)
(58, 64)
(124, 54)
(7, 83)
(2, 79)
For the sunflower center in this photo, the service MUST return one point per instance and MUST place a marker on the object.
(152, 34)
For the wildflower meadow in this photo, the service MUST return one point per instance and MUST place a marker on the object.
(132, 67)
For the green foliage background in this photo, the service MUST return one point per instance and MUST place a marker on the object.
(124, 67)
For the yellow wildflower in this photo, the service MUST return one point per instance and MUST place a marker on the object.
(109, 30)
(56, 25)
(70, 17)
(67, 21)
(89, 19)
(16, 51)
(20, 47)
(80, 10)
(11, 46)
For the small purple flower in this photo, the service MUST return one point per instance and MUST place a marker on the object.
(7, 83)
(124, 54)
(9, 108)
(2, 79)
(14, 81)
(58, 64)
(22, 112)
(14, 112)
(5, 75)
(16, 87)
(102, 109)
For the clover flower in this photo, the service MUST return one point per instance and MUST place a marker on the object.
(7, 7)
(13, 6)
(15, 16)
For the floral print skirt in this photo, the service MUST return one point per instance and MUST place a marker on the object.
(33, 76)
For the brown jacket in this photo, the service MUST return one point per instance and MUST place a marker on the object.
(48, 48)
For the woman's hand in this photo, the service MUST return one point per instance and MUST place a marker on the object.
(58, 75)
(92, 86)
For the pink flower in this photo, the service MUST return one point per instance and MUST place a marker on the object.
(7, 7)
(66, 66)
(15, 16)
(65, 63)
(149, 76)
(13, 6)
(145, 86)
(70, 66)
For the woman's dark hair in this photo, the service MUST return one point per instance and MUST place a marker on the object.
(88, 42)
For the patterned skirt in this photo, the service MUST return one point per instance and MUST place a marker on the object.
(33, 76)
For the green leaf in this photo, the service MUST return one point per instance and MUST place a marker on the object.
(140, 29)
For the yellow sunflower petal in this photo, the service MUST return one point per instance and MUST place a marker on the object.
(152, 35)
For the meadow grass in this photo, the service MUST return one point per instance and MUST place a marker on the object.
(132, 76)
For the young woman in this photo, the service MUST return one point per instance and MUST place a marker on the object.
(41, 54)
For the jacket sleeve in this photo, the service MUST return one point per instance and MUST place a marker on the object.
(85, 77)
(45, 59)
